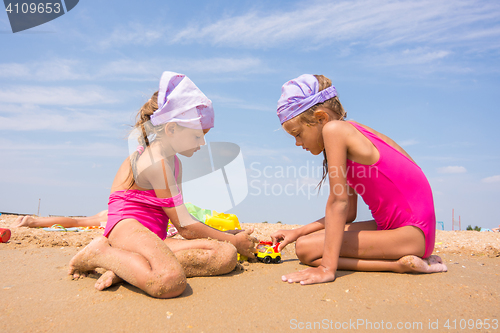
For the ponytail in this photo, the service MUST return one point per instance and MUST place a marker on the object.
(142, 121)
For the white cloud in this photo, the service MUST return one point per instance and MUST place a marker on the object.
(380, 23)
(126, 69)
(62, 149)
(54, 70)
(452, 169)
(57, 122)
(152, 68)
(419, 56)
(224, 65)
(130, 69)
(133, 34)
(14, 70)
(409, 142)
(42, 95)
(240, 104)
(492, 179)
(32, 117)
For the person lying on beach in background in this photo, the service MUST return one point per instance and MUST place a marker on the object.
(97, 220)
(146, 193)
(496, 229)
(65, 222)
(357, 160)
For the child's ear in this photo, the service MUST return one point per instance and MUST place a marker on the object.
(170, 128)
(322, 116)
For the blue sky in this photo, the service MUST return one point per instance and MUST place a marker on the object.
(425, 73)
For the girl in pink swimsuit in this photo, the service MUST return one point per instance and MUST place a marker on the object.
(358, 160)
(146, 195)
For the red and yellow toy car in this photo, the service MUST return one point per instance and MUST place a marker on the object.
(267, 253)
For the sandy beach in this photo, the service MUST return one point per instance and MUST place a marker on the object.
(38, 296)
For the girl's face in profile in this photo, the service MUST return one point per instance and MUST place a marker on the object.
(307, 136)
(186, 141)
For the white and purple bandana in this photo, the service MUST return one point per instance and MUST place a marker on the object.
(300, 94)
(180, 101)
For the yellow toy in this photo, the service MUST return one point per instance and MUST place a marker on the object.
(222, 222)
(267, 253)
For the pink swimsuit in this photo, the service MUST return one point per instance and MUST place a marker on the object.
(142, 206)
(395, 189)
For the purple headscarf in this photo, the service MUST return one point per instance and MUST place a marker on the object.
(300, 94)
(180, 101)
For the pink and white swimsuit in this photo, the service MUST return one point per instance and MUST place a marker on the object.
(395, 189)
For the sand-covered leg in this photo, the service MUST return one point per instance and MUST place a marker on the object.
(141, 258)
(137, 256)
(201, 262)
(86, 259)
(106, 280)
(204, 257)
(414, 264)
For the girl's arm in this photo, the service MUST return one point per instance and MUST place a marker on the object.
(189, 227)
(335, 138)
(289, 236)
(286, 237)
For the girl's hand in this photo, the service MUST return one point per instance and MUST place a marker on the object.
(285, 237)
(245, 244)
(311, 275)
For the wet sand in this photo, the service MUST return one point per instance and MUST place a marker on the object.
(38, 296)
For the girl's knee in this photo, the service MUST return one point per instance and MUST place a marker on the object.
(301, 250)
(167, 285)
(228, 251)
(224, 257)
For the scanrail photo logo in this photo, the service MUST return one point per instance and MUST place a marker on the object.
(215, 176)
(26, 14)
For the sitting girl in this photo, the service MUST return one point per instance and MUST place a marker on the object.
(357, 160)
(146, 194)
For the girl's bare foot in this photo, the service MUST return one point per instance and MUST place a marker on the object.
(106, 280)
(17, 222)
(86, 260)
(414, 264)
(22, 221)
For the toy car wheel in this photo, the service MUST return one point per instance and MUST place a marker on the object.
(277, 259)
(267, 260)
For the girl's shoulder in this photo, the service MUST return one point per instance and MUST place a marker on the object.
(338, 128)
(390, 142)
(365, 127)
(350, 128)
(123, 176)
(155, 166)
